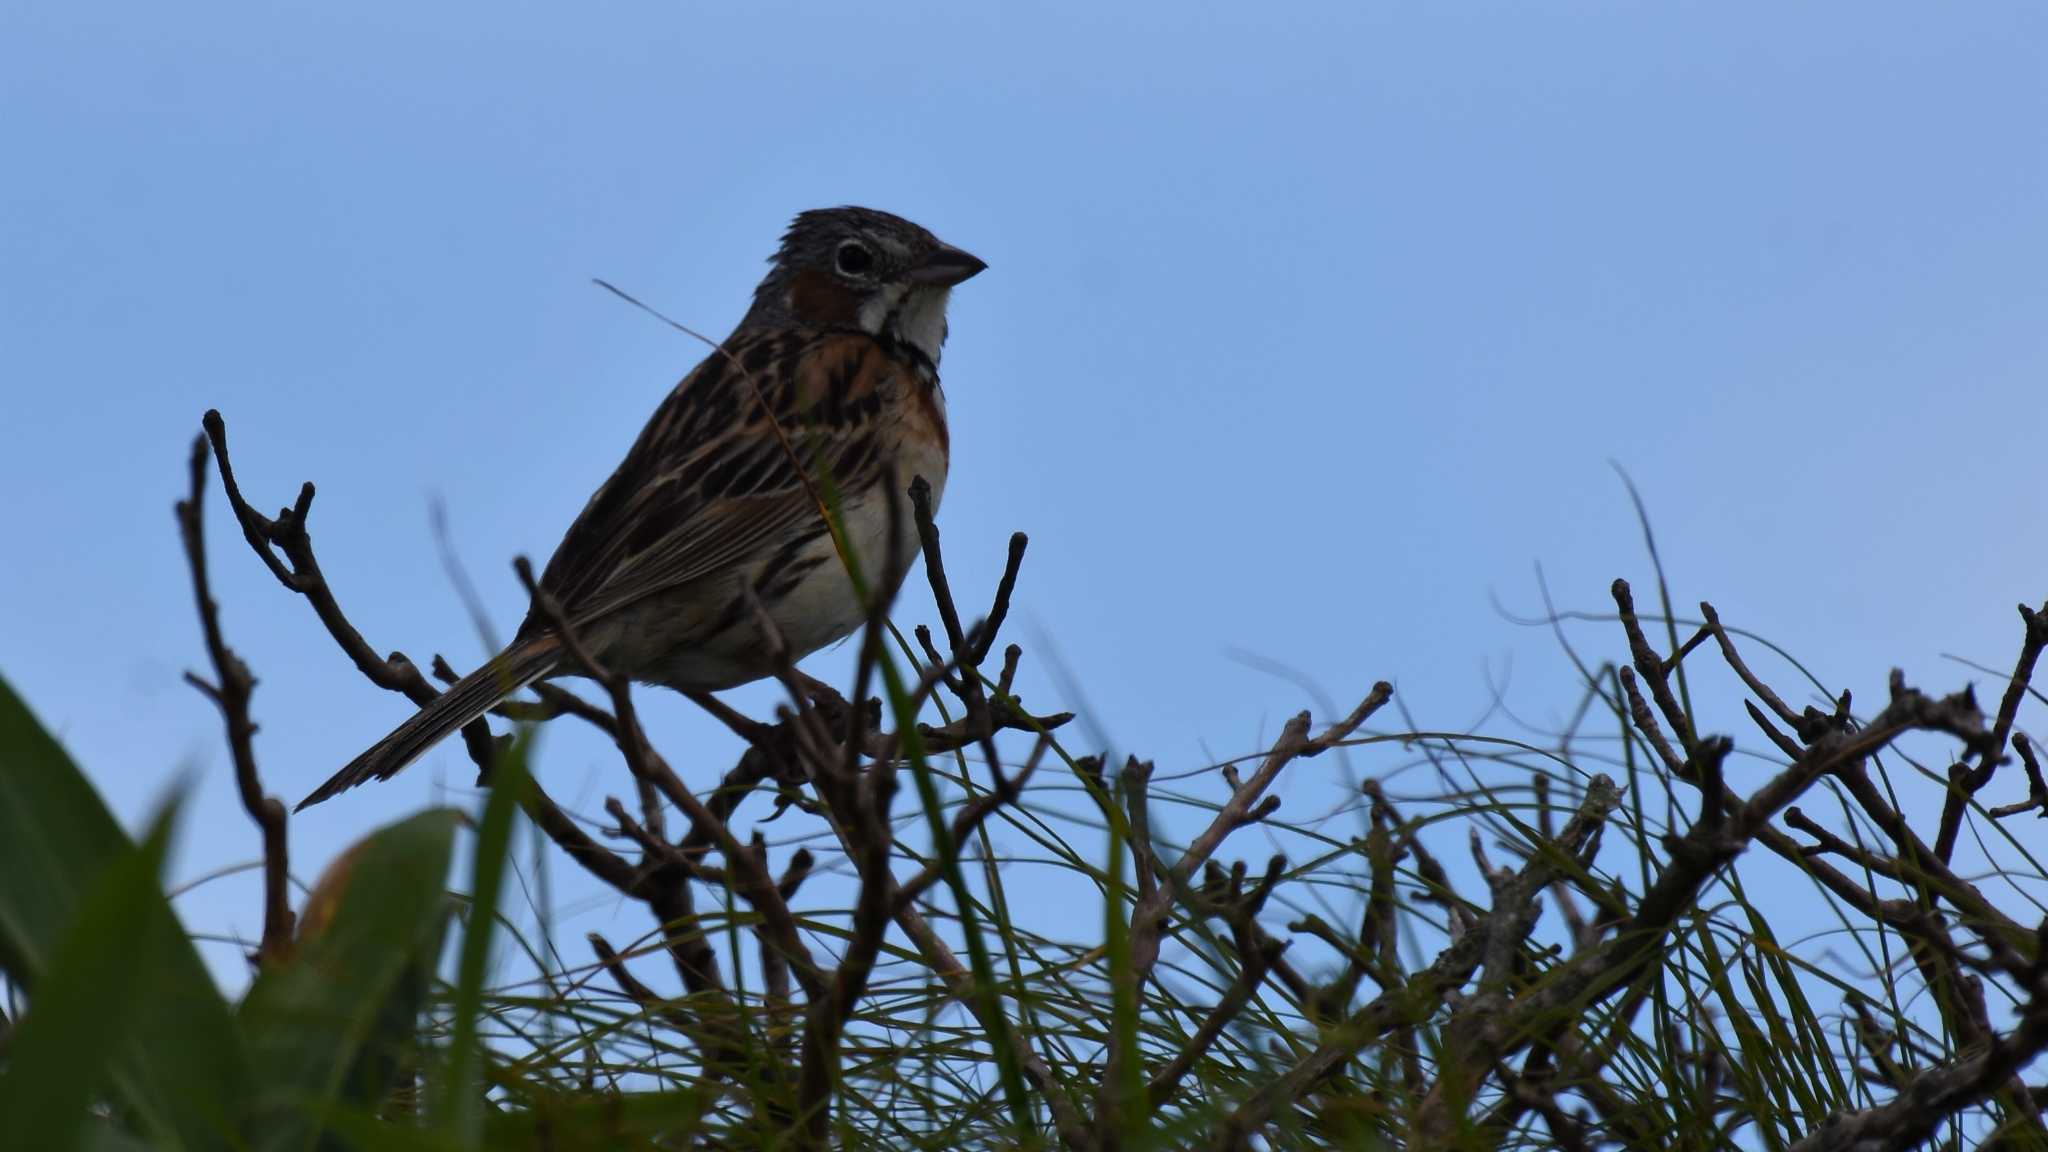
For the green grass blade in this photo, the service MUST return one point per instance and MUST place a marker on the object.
(597, 1122)
(1132, 1108)
(461, 1101)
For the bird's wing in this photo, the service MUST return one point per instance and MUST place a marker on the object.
(709, 484)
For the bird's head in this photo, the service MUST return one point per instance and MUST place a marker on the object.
(860, 269)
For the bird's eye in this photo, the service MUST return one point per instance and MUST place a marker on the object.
(854, 258)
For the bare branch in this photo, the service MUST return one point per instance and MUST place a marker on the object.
(230, 691)
(1966, 783)
(1929, 1099)
(1244, 806)
(1421, 994)
(299, 571)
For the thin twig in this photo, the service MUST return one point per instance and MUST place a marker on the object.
(230, 690)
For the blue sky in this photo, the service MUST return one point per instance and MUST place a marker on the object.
(1308, 330)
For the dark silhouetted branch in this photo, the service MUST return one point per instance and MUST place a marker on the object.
(230, 690)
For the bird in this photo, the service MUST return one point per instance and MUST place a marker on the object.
(829, 383)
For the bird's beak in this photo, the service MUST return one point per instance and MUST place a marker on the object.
(944, 267)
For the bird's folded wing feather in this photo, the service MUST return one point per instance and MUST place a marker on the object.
(709, 485)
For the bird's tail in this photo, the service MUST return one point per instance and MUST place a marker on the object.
(469, 698)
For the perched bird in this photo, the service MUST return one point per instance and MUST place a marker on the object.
(829, 383)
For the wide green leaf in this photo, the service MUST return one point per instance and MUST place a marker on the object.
(55, 837)
(175, 1072)
(64, 1051)
(332, 1025)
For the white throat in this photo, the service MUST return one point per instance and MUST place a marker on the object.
(919, 313)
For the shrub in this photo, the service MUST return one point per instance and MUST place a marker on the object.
(1612, 981)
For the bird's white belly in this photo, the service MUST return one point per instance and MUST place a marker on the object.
(708, 642)
(824, 608)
